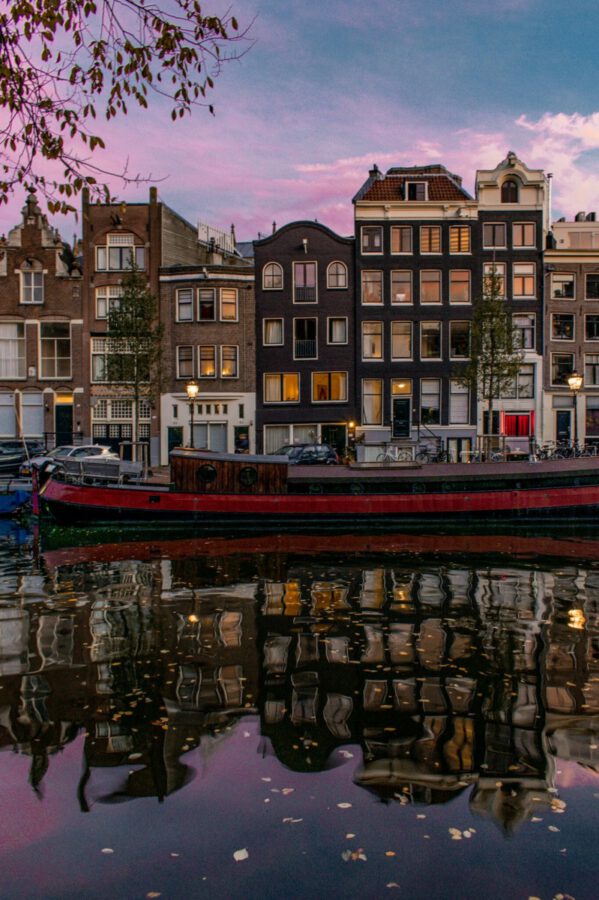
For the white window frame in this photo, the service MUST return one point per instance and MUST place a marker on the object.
(380, 334)
(368, 272)
(532, 225)
(234, 347)
(452, 323)
(29, 291)
(199, 362)
(459, 228)
(334, 372)
(400, 228)
(562, 339)
(266, 343)
(424, 228)
(42, 375)
(500, 271)
(191, 304)
(180, 347)
(108, 294)
(337, 287)
(431, 358)
(222, 302)
(467, 302)
(305, 262)
(394, 301)
(533, 318)
(20, 361)
(276, 268)
(331, 319)
(569, 275)
(495, 246)
(410, 325)
(281, 376)
(516, 274)
(409, 184)
(439, 273)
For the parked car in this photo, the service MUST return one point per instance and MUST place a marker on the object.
(16, 445)
(68, 451)
(309, 454)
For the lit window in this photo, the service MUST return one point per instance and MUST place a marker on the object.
(459, 239)
(329, 387)
(228, 305)
(272, 277)
(281, 388)
(207, 357)
(229, 361)
(524, 280)
(430, 239)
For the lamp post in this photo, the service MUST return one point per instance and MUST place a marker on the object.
(575, 383)
(192, 390)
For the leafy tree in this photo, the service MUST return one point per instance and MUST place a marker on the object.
(64, 63)
(495, 353)
(135, 339)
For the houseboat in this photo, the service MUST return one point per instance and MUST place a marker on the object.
(241, 492)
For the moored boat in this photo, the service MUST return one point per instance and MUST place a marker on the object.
(227, 492)
(15, 493)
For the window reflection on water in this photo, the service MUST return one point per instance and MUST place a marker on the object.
(452, 677)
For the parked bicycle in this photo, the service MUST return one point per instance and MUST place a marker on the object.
(427, 454)
(394, 454)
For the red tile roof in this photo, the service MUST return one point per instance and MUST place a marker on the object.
(441, 188)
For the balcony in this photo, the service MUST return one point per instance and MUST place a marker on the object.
(305, 294)
(305, 349)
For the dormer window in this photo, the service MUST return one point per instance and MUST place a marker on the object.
(416, 190)
(509, 191)
(32, 282)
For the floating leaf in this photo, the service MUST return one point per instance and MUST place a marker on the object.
(240, 855)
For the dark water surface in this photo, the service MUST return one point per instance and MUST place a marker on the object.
(299, 717)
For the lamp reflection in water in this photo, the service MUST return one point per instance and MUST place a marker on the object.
(575, 383)
(192, 390)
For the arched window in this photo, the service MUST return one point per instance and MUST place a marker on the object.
(272, 277)
(337, 275)
(509, 191)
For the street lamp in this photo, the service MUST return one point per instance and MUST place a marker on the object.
(192, 389)
(575, 383)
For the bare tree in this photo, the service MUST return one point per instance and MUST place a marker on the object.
(65, 64)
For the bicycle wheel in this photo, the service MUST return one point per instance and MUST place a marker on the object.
(497, 456)
(382, 457)
(443, 457)
(404, 455)
(422, 456)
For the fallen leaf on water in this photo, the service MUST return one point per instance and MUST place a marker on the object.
(392, 884)
(346, 754)
(107, 850)
(344, 805)
(421, 816)
(240, 855)
(152, 894)
(390, 853)
(553, 828)
(287, 791)
(266, 779)
(349, 836)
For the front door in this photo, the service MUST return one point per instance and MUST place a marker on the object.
(335, 436)
(63, 423)
(401, 417)
(563, 425)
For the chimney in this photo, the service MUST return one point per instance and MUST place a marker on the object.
(374, 172)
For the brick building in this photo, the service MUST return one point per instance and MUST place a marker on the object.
(42, 377)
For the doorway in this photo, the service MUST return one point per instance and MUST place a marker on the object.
(400, 425)
(63, 423)
(335, 436)
(563, 426)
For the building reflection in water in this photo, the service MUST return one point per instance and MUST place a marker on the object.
(452, 677)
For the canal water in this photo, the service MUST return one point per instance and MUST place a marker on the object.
(298, 717)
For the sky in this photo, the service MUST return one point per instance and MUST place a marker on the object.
(326, 89)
